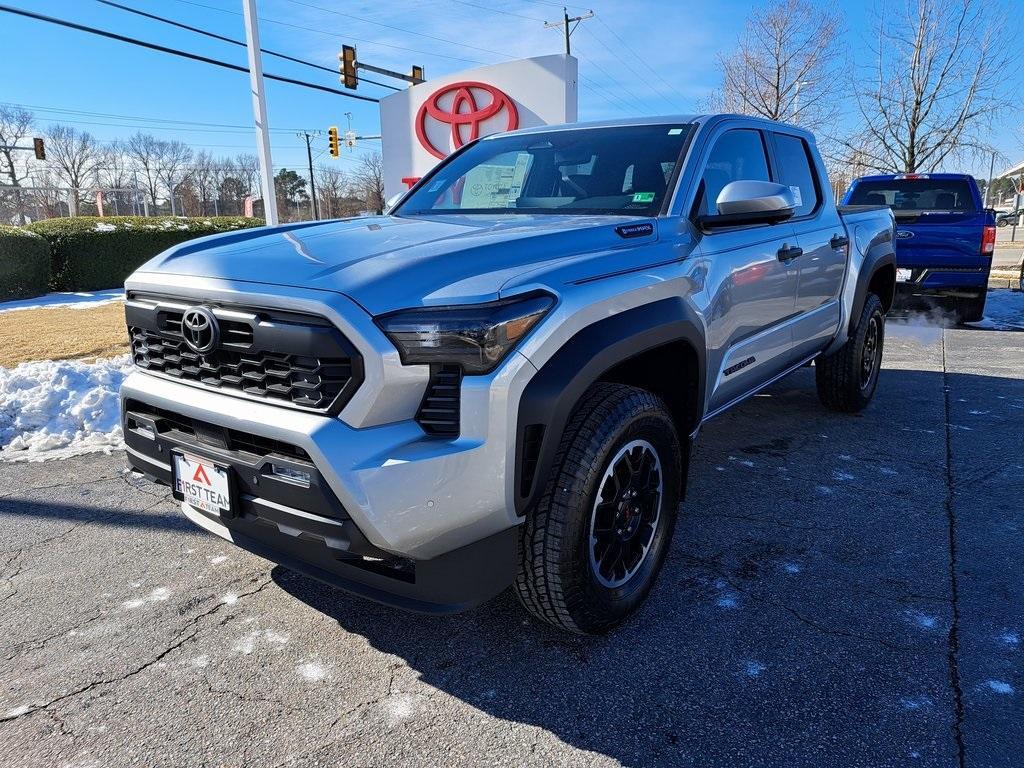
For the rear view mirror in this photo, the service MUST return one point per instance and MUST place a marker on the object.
(751, 202)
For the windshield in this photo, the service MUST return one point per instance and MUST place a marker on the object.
(916, 194)
(623, 170)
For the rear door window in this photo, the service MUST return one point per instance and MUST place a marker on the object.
(796, 172)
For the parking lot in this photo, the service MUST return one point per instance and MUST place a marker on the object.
(841, 591)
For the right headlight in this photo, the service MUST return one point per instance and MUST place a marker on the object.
(475, 336)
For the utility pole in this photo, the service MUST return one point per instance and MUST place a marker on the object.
(259, 110)
(309, 158)
(991, 170)
(565, 22)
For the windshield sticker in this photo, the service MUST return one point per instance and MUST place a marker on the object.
(643, 197)
(436, 185)
(674, 131)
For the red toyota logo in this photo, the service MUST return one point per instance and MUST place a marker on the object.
(463, 111)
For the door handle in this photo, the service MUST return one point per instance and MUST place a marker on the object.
(788, 253)
(839, 241)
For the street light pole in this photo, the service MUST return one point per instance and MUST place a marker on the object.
(796, 100)
(259, 110)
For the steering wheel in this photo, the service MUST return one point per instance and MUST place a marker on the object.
(580, 191)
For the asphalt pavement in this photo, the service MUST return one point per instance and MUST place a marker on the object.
(842, 591)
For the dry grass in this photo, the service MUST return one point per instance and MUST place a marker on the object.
(62, 334)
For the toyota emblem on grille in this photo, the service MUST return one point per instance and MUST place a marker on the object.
(199, 329)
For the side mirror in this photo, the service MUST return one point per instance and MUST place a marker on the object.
(751, 202)
(392, 202)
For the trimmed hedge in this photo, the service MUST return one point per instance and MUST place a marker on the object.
(88, 253)
(24, 264)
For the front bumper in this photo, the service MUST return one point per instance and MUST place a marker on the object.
(305, 526)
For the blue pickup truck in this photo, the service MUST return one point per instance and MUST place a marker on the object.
(944, 236)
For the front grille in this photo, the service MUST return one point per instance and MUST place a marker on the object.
(301, 360)
(439, 412)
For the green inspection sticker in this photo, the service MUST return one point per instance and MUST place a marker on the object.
(643, 197)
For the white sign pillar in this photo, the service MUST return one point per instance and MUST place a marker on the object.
(259, 111)
(426, 122)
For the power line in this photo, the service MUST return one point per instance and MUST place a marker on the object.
(637, 56)
(498, 10)
(334, 12)
(176, 52)
(346, 37)
(159, 120)
(226, 39)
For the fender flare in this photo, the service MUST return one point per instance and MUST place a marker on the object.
(880, 255)
(550, 396)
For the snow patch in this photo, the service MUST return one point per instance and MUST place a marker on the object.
(754, 668)
(72, 300)
(313, 671)
(922, 620)
(18, 711)
(229, 599)
(400, 709)
(1004, 311)
(218, 559)
(54, 409)
(200, 661)
(102, 226)
(1000, 687)
(916, 702)
(158, 595)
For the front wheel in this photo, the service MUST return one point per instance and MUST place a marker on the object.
(593, 546)
(847, 378)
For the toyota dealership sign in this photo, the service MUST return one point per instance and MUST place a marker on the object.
(427, 122)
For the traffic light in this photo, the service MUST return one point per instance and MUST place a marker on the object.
(332, 141)
(348, 66)
(417, 73)
(37, 145)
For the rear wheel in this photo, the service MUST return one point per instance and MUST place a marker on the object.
(970, 310)
(848, 377)
(593, 547)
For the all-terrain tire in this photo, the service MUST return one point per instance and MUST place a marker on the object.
(970, 310)
(848, 377)
(559, 579)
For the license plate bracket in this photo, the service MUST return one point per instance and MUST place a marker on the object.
(904, 275)
(203, 484)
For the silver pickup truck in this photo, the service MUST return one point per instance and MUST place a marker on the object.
(498, 383)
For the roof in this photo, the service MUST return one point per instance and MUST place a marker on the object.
(653, 120)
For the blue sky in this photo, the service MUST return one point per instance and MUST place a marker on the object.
(668, 61)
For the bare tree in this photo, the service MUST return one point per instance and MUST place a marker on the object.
(144, 151)
(935, 84)
(115, 176)
(785, 65)
(331, 188)
(174, 159)
(75, 157)
(204, 177)
(15, 126)
(368, 181)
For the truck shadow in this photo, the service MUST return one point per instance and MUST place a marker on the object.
(795, 622)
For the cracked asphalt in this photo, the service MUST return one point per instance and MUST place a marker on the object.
(842, 590)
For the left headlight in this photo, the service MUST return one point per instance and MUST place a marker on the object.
(476, 336)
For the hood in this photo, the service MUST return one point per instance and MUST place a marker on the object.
(387, 262)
